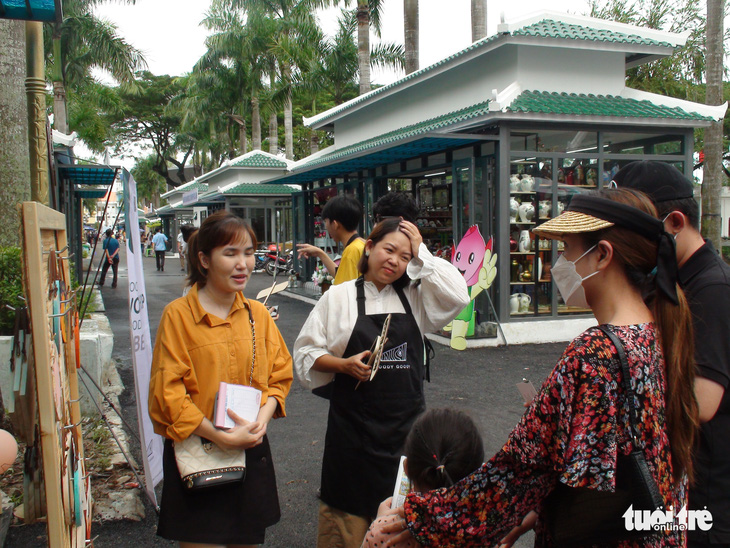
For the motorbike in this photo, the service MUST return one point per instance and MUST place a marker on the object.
(284, 264)
(261, 258)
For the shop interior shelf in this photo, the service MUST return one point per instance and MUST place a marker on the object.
(514, 192)
(532, 282)
(521, 252)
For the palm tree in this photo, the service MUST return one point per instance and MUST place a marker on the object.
(80, 43)
(713, 175)
(367, 15)
(15, 172)
(294, 33)
(410, 27)
(478, 19)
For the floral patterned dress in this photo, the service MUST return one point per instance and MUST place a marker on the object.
(571, 433)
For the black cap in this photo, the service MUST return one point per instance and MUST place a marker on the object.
(660, 181)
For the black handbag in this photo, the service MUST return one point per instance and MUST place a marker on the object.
(581, 516)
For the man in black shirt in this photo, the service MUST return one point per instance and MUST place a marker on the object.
(705, 278)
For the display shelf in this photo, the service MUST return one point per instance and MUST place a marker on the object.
(522, 223)
(521, 252)
(531, 282)
(517, 192)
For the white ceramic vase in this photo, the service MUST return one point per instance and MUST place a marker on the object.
(514, 207)
(525, 301)
(514, 303)
(527, 184)
(527, 212)
(523, 244)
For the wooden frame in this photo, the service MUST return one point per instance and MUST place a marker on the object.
(69, 517)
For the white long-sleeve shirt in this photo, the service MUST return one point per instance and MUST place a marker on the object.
(440, 296)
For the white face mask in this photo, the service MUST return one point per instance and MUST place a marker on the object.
(569, 282)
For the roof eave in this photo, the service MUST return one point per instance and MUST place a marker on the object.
(636, 54)
(324, 121)
(599, 120)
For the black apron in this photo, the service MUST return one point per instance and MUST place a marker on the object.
(366, 427)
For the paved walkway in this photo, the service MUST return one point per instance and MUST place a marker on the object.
(480, 381)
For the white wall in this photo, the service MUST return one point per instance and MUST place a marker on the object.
(534, 68)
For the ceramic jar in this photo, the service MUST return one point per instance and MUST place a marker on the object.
(514, 207)
(561, 207)
(515, 271)
(514, 303)
(527, 184)
(544, 209)
(527, 212)
(591, 177)
(523, 244)
(514, 183)
(525, 301)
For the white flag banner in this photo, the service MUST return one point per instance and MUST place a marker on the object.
(139, 323)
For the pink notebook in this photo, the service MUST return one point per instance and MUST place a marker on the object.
(245, 401)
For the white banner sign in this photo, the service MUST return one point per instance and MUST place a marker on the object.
(139, 323)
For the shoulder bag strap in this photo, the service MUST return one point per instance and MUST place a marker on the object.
(626, 374)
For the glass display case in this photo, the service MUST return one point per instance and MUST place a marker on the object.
(435, 219)
(528, 182)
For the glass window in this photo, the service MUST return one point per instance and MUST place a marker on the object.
(642, 143)
(571, 141)
(437, 159)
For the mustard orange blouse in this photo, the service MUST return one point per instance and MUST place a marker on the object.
(195, 351)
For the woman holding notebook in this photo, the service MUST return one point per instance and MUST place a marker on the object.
(211, 335)
(370, 415)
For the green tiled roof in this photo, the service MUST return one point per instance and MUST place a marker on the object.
(546, 28)
(426, 126)
(596, 105)
(559, 29)
(192, 185)
(258, 160)
(254, 188)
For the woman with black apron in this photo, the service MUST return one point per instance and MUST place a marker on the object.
(370, 418)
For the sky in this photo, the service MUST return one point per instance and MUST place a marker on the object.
(169, 33)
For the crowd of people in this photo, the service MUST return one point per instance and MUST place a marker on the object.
(632, 254)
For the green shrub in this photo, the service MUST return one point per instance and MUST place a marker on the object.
(726, 253)
(11, 286)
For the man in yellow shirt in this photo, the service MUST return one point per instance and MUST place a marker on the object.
(341, 215)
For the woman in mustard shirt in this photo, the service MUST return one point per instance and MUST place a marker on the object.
(206, 337)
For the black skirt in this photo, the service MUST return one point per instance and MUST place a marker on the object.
(231, 514)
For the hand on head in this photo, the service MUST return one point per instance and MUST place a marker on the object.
(414, 235)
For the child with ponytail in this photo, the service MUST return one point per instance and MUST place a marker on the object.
(443, 446)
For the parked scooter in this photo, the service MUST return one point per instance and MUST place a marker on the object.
(283, 263)
(262, 257)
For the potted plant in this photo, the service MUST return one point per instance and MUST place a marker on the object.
(322, 277)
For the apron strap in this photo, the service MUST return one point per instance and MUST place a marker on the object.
(403, 300)
(360, 287)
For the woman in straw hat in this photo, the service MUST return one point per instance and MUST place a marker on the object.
(619, 261)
